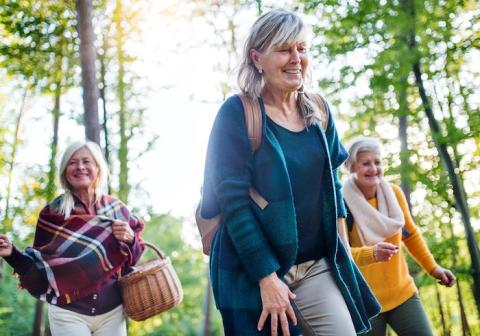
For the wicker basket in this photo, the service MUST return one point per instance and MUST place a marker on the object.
(151, 288)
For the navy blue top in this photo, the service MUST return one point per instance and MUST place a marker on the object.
(306, 160)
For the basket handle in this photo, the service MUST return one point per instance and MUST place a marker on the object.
(159, 252)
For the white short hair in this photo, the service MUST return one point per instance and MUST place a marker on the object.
(362, 144)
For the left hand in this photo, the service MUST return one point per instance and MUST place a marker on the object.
(122, 231)
(444, 276)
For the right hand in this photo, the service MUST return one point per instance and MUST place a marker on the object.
(276, 298)
(5, 246)
(384, 251)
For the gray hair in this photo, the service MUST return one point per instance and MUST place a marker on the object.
(273, 29)
(362, 144)
(67, 203)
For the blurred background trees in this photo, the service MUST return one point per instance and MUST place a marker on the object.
(405, 71)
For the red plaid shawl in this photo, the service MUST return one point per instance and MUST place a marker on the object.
(78, 254)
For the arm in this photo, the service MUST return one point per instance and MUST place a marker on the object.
(229, 165)
(23, 265)
(413, 240)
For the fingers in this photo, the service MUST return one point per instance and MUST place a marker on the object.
(261, 320)
(451, 279)
(284, 324)
(291, 315)
(384, 251)
(274, 324)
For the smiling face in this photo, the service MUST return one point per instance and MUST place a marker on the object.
(283, 66)
(368, 170)
(81, 171)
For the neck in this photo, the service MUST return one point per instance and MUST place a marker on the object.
(283, 101)
(87, 196)
(368, 191)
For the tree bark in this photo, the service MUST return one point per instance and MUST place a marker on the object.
(207, 308)
(7, 225)
(89, 76)
(457, 186)
(103, 96)
(123, 186)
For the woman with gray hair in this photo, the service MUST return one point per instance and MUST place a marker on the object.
(379, 222)
(83, 239)
(280, 260)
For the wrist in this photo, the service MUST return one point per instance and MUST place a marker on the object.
(268, 279)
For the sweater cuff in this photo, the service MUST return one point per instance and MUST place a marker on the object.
(364, 255)
(19, 262)
(259, 265)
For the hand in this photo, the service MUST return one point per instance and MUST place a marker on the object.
(276, 298)
(384, 251)
(122, 231)
(6, 246)
(444, 276)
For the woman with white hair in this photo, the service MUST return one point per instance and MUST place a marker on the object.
(83, 239)
(379, 223)
(280, 261)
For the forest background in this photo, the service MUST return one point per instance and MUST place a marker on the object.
(144, 78)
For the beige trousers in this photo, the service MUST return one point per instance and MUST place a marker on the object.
(319, 302)
(65, 322)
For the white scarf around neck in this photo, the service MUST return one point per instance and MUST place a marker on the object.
(374, 225)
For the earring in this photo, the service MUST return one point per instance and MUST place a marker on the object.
(260, 71)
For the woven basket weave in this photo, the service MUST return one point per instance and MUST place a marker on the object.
(151, 288)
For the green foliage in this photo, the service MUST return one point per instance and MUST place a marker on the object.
(167, 233)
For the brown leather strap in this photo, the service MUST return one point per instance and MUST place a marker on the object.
(253, 120)
(320, 102)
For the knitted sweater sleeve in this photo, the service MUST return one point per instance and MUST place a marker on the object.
(338, 155)
(412, 237)
(230, 163)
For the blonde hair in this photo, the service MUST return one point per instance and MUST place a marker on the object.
(67, 203)
(270, 30)
(362, 144)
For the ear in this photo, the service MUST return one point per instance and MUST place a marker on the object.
(255, 56)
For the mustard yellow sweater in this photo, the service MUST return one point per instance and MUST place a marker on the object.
(390, 281)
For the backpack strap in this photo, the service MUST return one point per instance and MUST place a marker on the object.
(253, 120)
(322, 105)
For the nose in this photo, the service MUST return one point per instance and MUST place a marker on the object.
(294, 56)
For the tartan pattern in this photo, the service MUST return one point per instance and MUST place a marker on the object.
(252, 243)
(76, 255)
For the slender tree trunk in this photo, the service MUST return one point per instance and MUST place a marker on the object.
(207, 308)
(89, 76)
(103, 96)
(123, 186)
(38, 325)
(7, 223)
(457, 186)
(402, 133)
(440, 310)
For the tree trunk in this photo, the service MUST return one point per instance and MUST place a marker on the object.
(208, 307)
(123, 186)
(440, 310)
(457, 186)
(38, 325)
(402, 133)
(89, 76)
(103, 96)
(6, 222)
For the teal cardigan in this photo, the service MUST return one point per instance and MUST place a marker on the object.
(252, 243)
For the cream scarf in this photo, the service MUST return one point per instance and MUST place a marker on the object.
(374, 225)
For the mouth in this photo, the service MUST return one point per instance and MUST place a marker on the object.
(293, 71)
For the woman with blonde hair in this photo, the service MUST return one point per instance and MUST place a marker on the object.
(83, 239)
(379, 223)
(280, 261)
